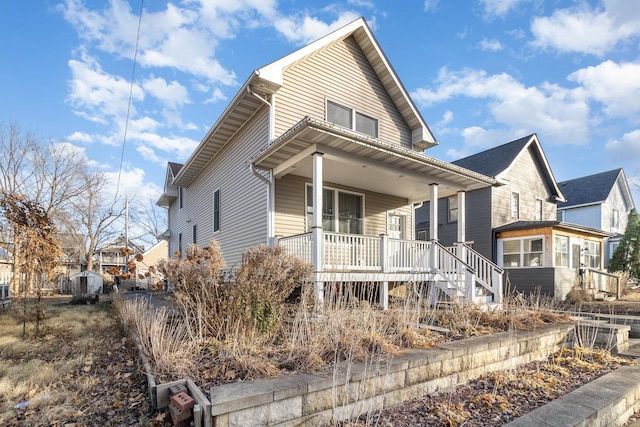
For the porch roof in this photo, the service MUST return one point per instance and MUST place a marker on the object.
(361, 161)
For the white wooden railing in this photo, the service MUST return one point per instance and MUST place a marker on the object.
(460, 266)
(488, 274)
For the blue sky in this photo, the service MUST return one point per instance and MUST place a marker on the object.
(482, 73)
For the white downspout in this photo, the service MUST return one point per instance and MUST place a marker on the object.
(267, 181)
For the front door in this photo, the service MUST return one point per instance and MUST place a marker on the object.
(396, 226)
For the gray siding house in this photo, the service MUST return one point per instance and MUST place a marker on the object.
(321, 152)
(515, 222)
(601, 201)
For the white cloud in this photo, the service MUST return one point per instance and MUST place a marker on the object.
(430, 5)
(492, 45)
(216, 95)
(557, 114)
(616, 86)
(588, 30)
(478, 139)
(304, 29)
(499, 7)
(172, 95)
(99, 94)
(620, 149)
(80, 137)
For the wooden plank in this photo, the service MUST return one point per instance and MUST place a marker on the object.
(201, 399)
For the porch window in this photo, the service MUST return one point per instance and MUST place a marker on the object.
(561, 249)
(452, 209)
(349, 206)
(351, 119)
(515, 205)
(525, 252)
(592, 254)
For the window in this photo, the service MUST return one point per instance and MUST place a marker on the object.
(525, 252)
(615, 219)
(194, 235)
(515, 205)
(349, 207)
(452, 209)
(180, 243)
(422, 235)
(538, 210)
(180, 197)
(216, 211)
(561, 250)
(351, 119)
(592, 254)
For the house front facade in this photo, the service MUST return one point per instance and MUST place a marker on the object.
(321, 152)
(602, 201)
(515, 222)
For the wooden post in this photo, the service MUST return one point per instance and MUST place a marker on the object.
(433, 212)
(316, 230)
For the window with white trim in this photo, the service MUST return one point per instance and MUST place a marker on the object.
(351, 119)
(592, 254)
(216, 211)
(522, 252)
(180, 197)
(515, 205)
(561, 251)
(342, 211)
(452, 209)
(538, 210)
(615, 219)
(180, 244)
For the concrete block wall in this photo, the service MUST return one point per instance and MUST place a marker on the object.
(313, 399)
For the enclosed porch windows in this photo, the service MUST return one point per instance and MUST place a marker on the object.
(342, 211)
(522, 252)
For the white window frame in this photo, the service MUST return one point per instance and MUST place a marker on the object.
(615, 219)
(336, 214)
(451, 209)
(556, 252)
(539, 204)
(180, 197)
(521, 252)
(217, 210)
(354, 115)
(515, 197)
(588, 257)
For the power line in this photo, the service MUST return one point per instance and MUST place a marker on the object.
(126, 123)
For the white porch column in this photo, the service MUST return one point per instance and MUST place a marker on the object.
(462, 216)
(383, 293)
(317, 257)
(433, 212)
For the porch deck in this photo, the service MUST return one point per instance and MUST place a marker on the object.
(458, 271)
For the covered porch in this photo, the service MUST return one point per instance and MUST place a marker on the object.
(344, 239)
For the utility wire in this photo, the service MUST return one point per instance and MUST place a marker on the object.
(126, 123)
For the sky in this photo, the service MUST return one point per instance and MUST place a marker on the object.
(481, 72)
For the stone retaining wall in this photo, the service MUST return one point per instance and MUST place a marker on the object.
(315, 399)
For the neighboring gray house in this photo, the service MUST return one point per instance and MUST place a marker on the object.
(321, 152)
(515, 223)
(601, 201)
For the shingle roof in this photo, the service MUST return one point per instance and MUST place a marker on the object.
(495, 160)
(588, 189)
(175, 168)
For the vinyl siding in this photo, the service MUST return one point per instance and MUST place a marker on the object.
(243, 221)
(340, 73)
(525, 178)
(290, 207)
(531, 280)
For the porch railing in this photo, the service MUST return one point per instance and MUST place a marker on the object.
(488, 274)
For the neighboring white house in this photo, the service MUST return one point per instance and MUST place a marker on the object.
(322, 152)
(86, 282)
(601, 201)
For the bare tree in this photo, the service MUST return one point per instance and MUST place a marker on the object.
(150, 222)
(16, 151)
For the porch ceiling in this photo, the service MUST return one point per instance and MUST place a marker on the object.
(359, 161)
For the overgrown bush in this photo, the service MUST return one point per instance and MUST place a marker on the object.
(249, 300)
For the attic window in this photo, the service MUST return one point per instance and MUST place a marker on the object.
(351, 119)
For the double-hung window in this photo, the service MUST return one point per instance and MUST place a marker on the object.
(592, 254)
(351, 119)
(515, 205)
(181, 197)
(342, 211)
(216, 211)
(561, 250)
(452, 209)
(524, 252)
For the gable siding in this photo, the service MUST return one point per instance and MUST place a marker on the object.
(340, 73)
(614, 201)
(290, 207)
(243, 201)
(526, 178)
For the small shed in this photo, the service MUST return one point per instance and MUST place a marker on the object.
(86, 282)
